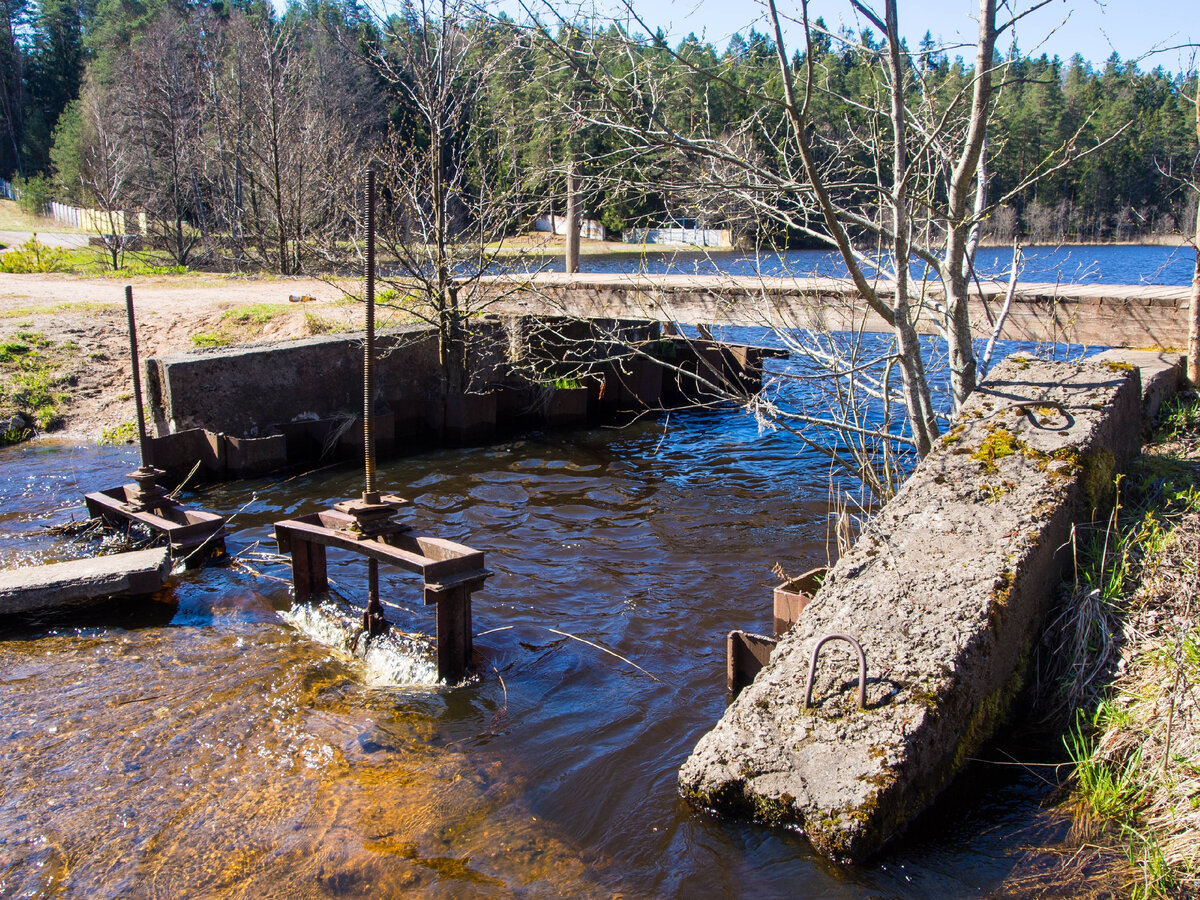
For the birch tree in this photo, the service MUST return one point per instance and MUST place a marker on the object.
(897, 188)
(445, 205)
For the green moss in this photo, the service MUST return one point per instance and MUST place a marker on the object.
(954, 435)
(999, 443)
(1115, 366)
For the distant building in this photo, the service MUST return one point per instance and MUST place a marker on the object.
(555, 224)
(679, 231)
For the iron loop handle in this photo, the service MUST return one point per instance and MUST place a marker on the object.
(862, 668)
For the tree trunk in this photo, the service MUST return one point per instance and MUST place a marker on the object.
(955, 272)
(1193, 351)
(574, 218)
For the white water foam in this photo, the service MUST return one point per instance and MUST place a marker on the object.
(395, 659)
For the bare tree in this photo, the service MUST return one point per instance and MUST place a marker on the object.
(1193, 351)
(164, 129)
(106, 162)
(296, 156)
(899, 192)
(446, 209)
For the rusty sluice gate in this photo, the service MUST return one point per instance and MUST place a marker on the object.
(746, 653)
(451, 572)
(192, 535)
(368, 526)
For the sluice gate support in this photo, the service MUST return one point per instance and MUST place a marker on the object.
(192, 535)
(451, 573)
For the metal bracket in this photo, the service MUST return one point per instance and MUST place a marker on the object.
(862, 668)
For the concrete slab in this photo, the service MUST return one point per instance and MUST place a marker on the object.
(947, 590)
(78, 582)
(1106, 315)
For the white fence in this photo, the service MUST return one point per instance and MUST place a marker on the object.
(96, 220)
(588, 228)
(699, 237)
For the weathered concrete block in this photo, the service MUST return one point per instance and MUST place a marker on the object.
(60, 585)
(947, 590)
(1161, 371)
(242, 390)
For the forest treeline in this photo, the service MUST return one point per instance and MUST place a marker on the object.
(242, 131)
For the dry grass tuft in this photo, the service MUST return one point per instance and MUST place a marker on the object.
(1128, 651)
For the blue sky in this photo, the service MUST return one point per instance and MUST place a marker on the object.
(1095, 29)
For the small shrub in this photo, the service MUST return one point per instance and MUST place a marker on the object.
(14, 436)
(1181, 415)
(34, 257)
(35, 194)
(10, 350)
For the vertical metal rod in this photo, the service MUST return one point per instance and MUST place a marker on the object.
(137, 375)
(370, 495)
(373, 604)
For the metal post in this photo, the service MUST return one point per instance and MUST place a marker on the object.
(145, 492)
(137, 376)
(373, 619)
(370, 495)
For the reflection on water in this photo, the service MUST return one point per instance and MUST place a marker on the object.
(219, 751)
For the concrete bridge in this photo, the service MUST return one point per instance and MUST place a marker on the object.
(1114, 315)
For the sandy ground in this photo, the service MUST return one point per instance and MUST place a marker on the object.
(87, 315)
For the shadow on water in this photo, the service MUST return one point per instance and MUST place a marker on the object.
(222, 752)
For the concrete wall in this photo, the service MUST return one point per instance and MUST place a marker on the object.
(251, 409)
(245, 390)
(947, 590)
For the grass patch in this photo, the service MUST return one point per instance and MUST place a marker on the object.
(1136, 598)
(254, 314)
(23, 312)
(13, 218)
(315, 325)
(125, 433)
(238, 325)
(208, 339)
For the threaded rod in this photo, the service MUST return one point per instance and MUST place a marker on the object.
(369, 494)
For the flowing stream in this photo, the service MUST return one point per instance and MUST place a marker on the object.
(200, 745)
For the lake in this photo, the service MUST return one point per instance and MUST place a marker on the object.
(1082, 264)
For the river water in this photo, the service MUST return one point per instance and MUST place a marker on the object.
(201, 746)
(1082, 264)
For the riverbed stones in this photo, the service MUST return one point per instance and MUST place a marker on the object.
(947, 590)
